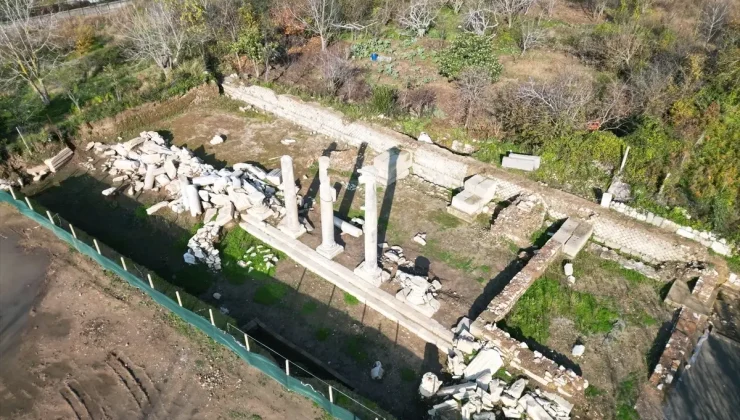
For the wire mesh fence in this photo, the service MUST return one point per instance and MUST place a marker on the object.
(336, 398)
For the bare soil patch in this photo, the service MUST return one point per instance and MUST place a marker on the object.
(96, 348)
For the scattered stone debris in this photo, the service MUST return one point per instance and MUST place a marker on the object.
(377, 371)
(5, 185)
(38, 172)
(418, 292)
(287, 142)
(476, 395)
(421, 238)
(217, 139)
(424, 138)
(146, 162)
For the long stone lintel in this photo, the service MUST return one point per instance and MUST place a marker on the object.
(427, 329)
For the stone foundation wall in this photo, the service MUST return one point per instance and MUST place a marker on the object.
(442, 167)
(505, 301)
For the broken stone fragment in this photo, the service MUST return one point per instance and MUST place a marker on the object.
(217, 139)
(377, 371)
(109, 191)
(155, 208)
(424, 138)
(568, 269)
(578, 350)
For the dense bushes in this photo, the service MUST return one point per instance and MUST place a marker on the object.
(469, 50)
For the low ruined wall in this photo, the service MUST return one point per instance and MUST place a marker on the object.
(442, 167)
(430, 162)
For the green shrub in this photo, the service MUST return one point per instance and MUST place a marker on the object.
(469, 51)
(384, 100)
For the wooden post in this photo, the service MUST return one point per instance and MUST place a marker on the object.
(95, 241)
(151, 284)
(72, 228)
(287, 367)
(210, 312)
(51, 219)
(12, 192)
(123, 263)
(331, 395)
(24, 139)
(179, 301)
(29, 203)
(246, 341)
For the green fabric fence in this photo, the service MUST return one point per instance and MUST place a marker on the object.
(260, 362)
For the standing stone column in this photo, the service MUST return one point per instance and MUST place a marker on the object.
(329, 248)
(290, 223)
(368, 269)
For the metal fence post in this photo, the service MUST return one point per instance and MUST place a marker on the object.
(151, 284)
(123, 263)
(51, 219)
(72, 229)
(331, 395)
(210, 312)
(246, 341)
(287, 367)
(29, 203)
(95, 241)
(179, 301)
(12, 192)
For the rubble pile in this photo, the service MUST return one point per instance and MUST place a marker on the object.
(520, 220)
(477, 395)
(5, 185)
(148, 163)
(200, 247)
(418, 291)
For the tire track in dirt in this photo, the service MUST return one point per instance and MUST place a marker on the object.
(129, 380)
(139, 375)
(91, 406)
(77, 407)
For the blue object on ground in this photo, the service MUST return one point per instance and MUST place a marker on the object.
(374, 56)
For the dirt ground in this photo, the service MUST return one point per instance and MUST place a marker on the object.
(95, 348)
(345, 335)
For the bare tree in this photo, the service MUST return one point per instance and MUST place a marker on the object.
(336, 71)
(419, 15)
(456, 5)
(613, 104)
(321, 17)
(623, 46)
(480, 17)
(713, 19)
(512, 8)
(531, 35)
(473, 84)
(155, 32)
(27, 49)
(563, 99)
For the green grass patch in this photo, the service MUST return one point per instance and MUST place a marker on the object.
(408, 375)
(593, 392)
(459, 262)
(445, 220)
(350, 299)
(309, 308)
(502, 375)
(140, 213)
(355, 348)
(481, 280)
(322, 334)
(238, 245)
(642, 318)
(627, 393)
(270, 293)
(548, 298)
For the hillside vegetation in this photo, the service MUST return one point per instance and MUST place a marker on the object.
(574, 81)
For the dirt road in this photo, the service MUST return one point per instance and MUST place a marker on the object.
(77, 343)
